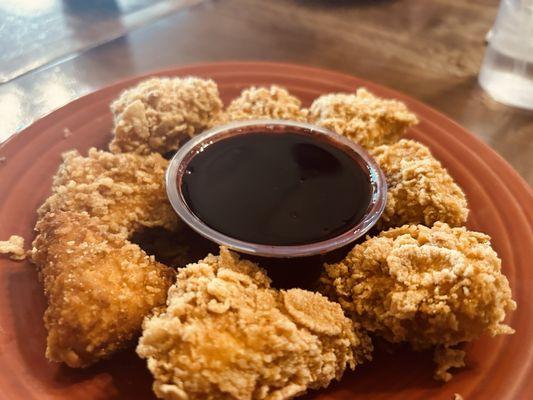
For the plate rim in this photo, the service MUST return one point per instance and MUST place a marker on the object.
(488, 155)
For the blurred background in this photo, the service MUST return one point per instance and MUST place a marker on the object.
(54, 51)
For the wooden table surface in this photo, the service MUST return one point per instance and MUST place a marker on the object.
(429, 49)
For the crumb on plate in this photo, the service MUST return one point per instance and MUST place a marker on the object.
(14, 246)
(446, 358)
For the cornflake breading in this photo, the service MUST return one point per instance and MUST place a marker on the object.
(260, 102)
(99, 287)
(14, 246)
(125, 191)
(430, 287)
(367, 119)
(159, 114)
(227, 335)
(420, 190)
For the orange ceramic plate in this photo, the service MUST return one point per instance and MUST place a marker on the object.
(501, 204)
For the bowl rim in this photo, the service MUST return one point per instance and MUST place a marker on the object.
(198, 143)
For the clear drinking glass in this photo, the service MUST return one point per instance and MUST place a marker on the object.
(507, 70)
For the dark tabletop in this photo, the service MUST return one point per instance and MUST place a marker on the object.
(54, 51)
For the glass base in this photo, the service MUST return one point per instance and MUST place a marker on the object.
(507, 79)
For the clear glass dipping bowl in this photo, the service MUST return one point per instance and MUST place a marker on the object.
(178, 165)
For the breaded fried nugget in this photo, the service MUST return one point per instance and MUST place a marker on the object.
(436, 286)
(420, 190)
(99, 287)
(367, 119)
(125, 191)
(261, 102)
(159, 114)
(227, 335)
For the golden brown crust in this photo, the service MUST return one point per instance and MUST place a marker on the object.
(159, 114)
(367, 119)
(14, 246)
(99, 287)
(227, 335)
(420, 190)
(435, 286)
(260, 102)
(125, 191)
